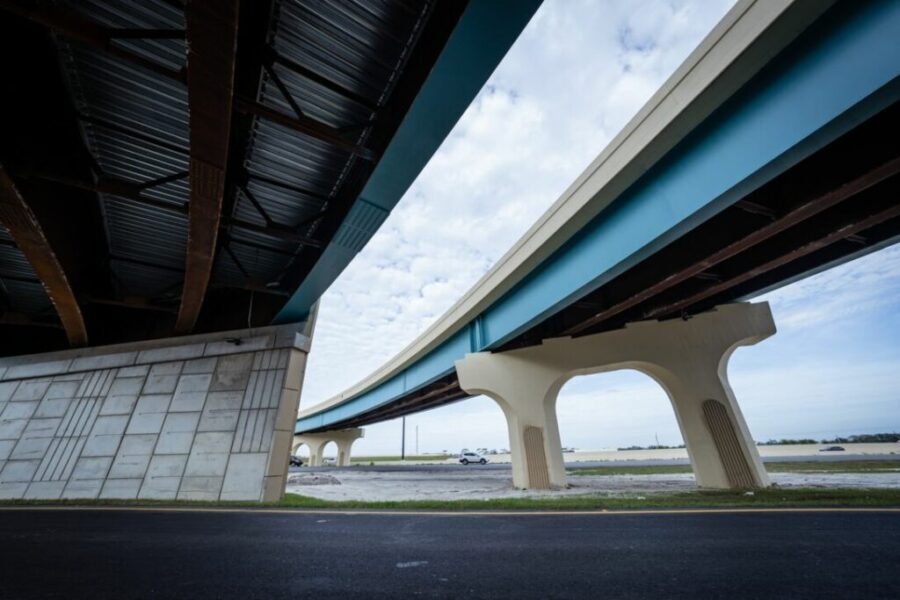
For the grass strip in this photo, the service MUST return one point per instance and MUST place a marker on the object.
(768, 498)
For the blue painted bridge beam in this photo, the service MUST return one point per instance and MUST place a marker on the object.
(482, 37)
(842, 70)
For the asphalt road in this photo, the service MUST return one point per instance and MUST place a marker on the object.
(156, 554)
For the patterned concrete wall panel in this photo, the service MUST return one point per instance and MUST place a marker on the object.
(232, 373)
(163, 477)
(12, 490)
(194, 419)
(149, 414)
(91, 468)
(31, 448)
(62, 390)
(45, 489)
(190, 393)
(244, 477)
(133, 456)
(178, 432)
(121, 488)
(254, 430)
(82, 488)
(53, 407)
(6, 390)
(221, 411)
(18, 471)
(31, 390)
(6, 447)
(199, 366)
(118, 405)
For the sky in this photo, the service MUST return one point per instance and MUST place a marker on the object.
(577, 74)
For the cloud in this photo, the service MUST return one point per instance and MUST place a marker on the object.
(856, 289)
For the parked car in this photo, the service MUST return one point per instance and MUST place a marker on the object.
(296, 461)
(472, 457)
(832, 449)
(329, 462)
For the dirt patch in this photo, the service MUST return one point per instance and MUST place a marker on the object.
(306, 479)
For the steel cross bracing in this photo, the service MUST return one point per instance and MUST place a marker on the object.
(292, 104)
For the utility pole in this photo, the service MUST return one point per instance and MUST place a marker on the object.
(417, 440)
(403, 439)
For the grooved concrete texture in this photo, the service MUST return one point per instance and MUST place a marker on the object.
(204, 417)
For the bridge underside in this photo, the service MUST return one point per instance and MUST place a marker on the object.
(838, 203)
(184, 167)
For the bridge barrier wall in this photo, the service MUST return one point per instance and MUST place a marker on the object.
(203, 417)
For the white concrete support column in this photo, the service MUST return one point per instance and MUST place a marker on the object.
(526, 391)
(687, 358)
(316, 442)
(343, 457)
(718, 441)
(316, 453)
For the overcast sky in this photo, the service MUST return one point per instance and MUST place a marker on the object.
(579, 71)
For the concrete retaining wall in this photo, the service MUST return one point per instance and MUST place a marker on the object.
(207, 417)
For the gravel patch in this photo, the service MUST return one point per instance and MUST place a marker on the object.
(361, 483)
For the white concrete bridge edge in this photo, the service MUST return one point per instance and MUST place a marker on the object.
(687, 358)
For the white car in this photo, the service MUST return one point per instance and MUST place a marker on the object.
(472, 457)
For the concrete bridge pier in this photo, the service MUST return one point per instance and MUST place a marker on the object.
(316, 442)
(526, 391)
(688, 358)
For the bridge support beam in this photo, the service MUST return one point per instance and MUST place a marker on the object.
(316, 443)
(688, 359)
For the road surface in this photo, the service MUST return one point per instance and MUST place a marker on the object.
(253, 554)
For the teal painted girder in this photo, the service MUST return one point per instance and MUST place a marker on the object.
(482, 37)
(841, 71)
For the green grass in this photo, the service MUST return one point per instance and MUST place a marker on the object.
(795, 497)
(849, 466)
(844, 466)
(632, 470)
(768, 498)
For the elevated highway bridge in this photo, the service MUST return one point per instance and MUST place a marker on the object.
(768, 155)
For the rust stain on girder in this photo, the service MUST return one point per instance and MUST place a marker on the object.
(212, 43)
(28, 235)
(805, 210)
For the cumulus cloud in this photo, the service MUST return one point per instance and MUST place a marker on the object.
(854, 290)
